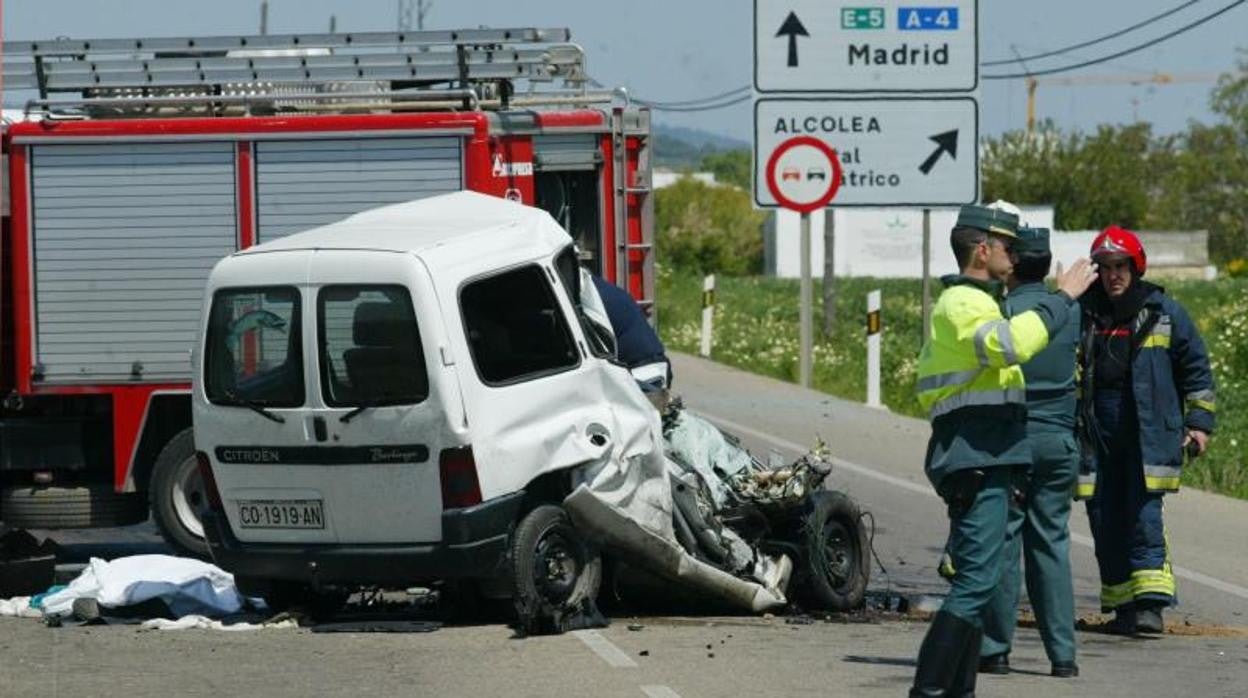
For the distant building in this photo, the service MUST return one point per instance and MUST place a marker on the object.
(888, 243)
(665, 178)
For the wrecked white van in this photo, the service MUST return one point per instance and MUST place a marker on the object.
(416, 393)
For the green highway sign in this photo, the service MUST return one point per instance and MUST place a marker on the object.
(862, 18)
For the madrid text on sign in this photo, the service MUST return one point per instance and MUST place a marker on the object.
(866, 46)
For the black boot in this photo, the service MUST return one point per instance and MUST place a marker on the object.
(1148, 618)
(968, 668)
(949, 642)
(1124, 622)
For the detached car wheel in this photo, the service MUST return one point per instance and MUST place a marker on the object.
(178, 498)
(836, 561)
(83, 506)
(555, 572)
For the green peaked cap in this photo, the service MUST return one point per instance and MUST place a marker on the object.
(992, 220)
(1032, 241)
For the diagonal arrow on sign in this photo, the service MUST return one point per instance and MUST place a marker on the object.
(946, 142)
(792, 27)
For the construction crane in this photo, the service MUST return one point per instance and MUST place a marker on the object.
(1087, 80)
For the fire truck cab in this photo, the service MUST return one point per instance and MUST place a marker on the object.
(139, 163)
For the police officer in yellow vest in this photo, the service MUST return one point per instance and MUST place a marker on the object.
(970, 383)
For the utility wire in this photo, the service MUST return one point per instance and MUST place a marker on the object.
(1119, 54)
(1112, 35)
(694, 102)
(657, 106)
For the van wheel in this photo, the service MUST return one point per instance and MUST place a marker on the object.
(178, 498)
(83, 506)
(555, 573)
(835, 550)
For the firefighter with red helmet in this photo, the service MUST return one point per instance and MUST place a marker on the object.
(1147, 398)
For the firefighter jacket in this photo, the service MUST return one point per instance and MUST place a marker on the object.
(969, 380)
(1171, 381)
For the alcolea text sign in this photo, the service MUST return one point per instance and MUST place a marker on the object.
(866, 47)
(890, 151)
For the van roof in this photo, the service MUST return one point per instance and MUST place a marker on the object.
(459, 218)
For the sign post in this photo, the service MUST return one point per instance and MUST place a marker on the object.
(803, 174)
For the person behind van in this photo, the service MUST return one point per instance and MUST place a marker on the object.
(637, 345)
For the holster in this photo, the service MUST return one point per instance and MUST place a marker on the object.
(959, 489)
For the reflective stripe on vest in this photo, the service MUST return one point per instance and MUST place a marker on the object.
(1153, 581)
(1161, 478)
(1115, 595)
(998, 396)
(1200, 399)
(1159, 337)
(1086, 486)
(1002, 329)
(946, 380)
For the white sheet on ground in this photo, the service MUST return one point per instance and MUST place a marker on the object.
(206, 623)
(18, 607)
(188, 586)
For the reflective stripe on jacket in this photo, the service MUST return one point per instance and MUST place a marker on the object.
(969, 381)
(1172, 384)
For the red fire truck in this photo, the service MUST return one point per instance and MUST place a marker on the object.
(138, 163)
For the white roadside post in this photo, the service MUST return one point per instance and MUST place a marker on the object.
(805, 331)
(708, 313)
(874, 326)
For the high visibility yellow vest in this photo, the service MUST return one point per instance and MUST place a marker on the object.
(972, 354)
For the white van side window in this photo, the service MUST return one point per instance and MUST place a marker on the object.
(516, 330)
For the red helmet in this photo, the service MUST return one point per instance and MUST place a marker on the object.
(1120, 242)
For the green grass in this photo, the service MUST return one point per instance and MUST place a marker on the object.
(756, 329)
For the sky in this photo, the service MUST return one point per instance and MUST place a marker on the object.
(675, 50)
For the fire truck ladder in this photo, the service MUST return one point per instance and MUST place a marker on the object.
(633, 189)
(476, 68)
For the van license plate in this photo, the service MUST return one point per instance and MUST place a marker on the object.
(281, 513)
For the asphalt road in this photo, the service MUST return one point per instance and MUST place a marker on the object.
(879, 463)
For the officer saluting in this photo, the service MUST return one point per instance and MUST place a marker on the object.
(970, 383)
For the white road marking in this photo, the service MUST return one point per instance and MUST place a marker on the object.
(605, 649)
(659, 692)
(1183, 572)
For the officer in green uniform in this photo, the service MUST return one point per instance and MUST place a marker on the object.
(1039, 526)
(971, 385)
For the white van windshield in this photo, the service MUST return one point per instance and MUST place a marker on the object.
(370, 351)
(253, 352)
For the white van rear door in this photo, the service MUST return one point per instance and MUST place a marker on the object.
(365, 460)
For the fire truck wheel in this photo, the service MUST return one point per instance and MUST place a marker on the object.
(177, 496)
(835, 567)
(555, 573)
(85, 506)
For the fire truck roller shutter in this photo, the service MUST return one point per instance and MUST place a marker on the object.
(124, 237)
(305, 183)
